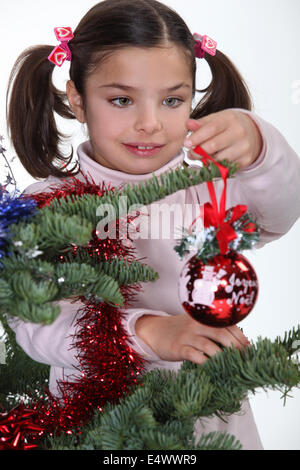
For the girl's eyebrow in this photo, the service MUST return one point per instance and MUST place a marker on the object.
(127, 87)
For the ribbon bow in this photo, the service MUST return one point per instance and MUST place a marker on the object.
(62, 52)
(213, 216)
(226, 233)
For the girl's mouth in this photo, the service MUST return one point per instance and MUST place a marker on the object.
(141, 151)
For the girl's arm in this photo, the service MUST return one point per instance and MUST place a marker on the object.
(52, 344)
(270, 187)
(49, 344)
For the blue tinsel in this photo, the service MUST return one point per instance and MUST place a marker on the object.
(12, 208)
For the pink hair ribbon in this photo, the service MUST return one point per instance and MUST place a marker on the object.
(204, 44)
(62, 52)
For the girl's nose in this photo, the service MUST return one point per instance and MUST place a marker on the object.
(148, 120)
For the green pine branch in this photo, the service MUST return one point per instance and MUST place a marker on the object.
(52, 231)
(31, 291)
(161, 412)
(144, 193)
(32, 279)
(122, 270)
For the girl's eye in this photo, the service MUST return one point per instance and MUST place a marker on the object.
(171, 104)
(123, 101)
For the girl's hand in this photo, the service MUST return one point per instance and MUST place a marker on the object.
(179, 337)
(226, 135)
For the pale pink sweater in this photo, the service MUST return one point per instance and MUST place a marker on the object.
(270, 189)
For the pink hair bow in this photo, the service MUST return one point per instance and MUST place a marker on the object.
(204, 44)
(61, 52)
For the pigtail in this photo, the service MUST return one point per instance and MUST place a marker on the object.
(226, 90)
(30, 113)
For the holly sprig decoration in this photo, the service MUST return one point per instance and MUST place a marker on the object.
(224, 230)
(206, 244)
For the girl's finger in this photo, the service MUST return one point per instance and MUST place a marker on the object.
(210, 348)
(207, 131)
(224, 337)
(219, 143)
(205, 345)
(193, 355)
(201, 344)
(238, 334)
(233, 153)
(203, 335)
(193, 125)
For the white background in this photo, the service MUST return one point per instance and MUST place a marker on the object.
(262, 37)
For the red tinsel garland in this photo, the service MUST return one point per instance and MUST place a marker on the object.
(15, 425)
(109, 366)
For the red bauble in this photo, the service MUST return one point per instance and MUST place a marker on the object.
(221, 292)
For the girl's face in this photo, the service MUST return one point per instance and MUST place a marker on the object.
(137, 97)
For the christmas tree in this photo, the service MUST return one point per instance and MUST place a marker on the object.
(49, 251)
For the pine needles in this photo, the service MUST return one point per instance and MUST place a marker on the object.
(32, 279)
(161, 412)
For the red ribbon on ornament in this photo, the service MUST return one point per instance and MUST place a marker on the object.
(213, 216)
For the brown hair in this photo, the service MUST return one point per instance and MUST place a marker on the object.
(108, 26)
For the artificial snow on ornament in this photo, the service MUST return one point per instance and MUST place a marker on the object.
(218, 286)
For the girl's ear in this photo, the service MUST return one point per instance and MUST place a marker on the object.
(75, 101)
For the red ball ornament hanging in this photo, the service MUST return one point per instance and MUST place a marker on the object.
(220, 292)
(218, 286)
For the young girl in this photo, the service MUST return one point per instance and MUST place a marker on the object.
(132, 81)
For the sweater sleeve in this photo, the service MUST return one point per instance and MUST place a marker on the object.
(52, 344)
(271, 186)
(129, 321)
